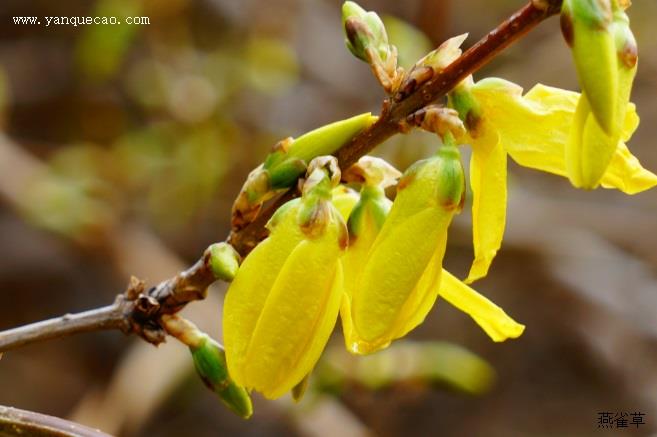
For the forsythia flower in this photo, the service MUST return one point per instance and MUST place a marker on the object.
(393, 270)
(602, 108)
(283, 304)
(586, 26)
(534, 130)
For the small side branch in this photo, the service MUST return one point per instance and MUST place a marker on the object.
(136, 311)
(99, 319)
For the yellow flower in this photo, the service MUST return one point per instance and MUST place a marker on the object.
(283, 304)
(393, 271)
(534, 130)
(587, 27)
(592, 144)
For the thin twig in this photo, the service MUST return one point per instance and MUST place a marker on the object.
(138, 311)
(99, 319)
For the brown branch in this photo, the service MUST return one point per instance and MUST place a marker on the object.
(136, 311)
(99, 319)
(139, 311)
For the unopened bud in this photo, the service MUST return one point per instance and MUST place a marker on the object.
(210, 363)
(364, 31)
(586, 27)
(224, 261)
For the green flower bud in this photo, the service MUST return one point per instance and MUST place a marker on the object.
(371, 211)
(288, 162)
(463, 101)
(590, 147)
(586, 27)
(434, 62)
(451, 186)
(364, 32)
(210, 363)
(375, 175)
(224, 261)
(285, 174)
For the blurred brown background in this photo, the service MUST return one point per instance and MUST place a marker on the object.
(122, 148)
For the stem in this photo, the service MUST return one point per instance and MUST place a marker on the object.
(99, 319)
(136, 311)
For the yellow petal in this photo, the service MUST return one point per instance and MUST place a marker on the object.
(344, 199)
(534, 130)
(488, 181)
(574, 153)
(297, 319)
(249, 290)
(589, 149)
(353, 261)
(626, 174)
(491, 318)
(423, 297)
(395, 265)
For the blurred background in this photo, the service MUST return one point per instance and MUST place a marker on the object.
(122, 148)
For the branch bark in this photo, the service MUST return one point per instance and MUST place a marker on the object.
(99, 319)
(139, 311)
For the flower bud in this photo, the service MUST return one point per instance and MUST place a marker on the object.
(364, 32)
(434, 62)
(288, 161)
(464, 102)
(283, 304)
(590, 148)
(325, 140)
(445, 54)
(224, 261)
(391, 292)
(210, 363)
(586, 25)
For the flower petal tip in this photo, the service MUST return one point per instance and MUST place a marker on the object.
(478, 270)
(640, 183)
(512, 330)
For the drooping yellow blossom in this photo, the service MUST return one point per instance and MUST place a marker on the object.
(591, 145)
(586, 26)
(393, 271)
(533, 129)
(283, 304)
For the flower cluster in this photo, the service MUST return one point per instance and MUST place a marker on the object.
(344, 250)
